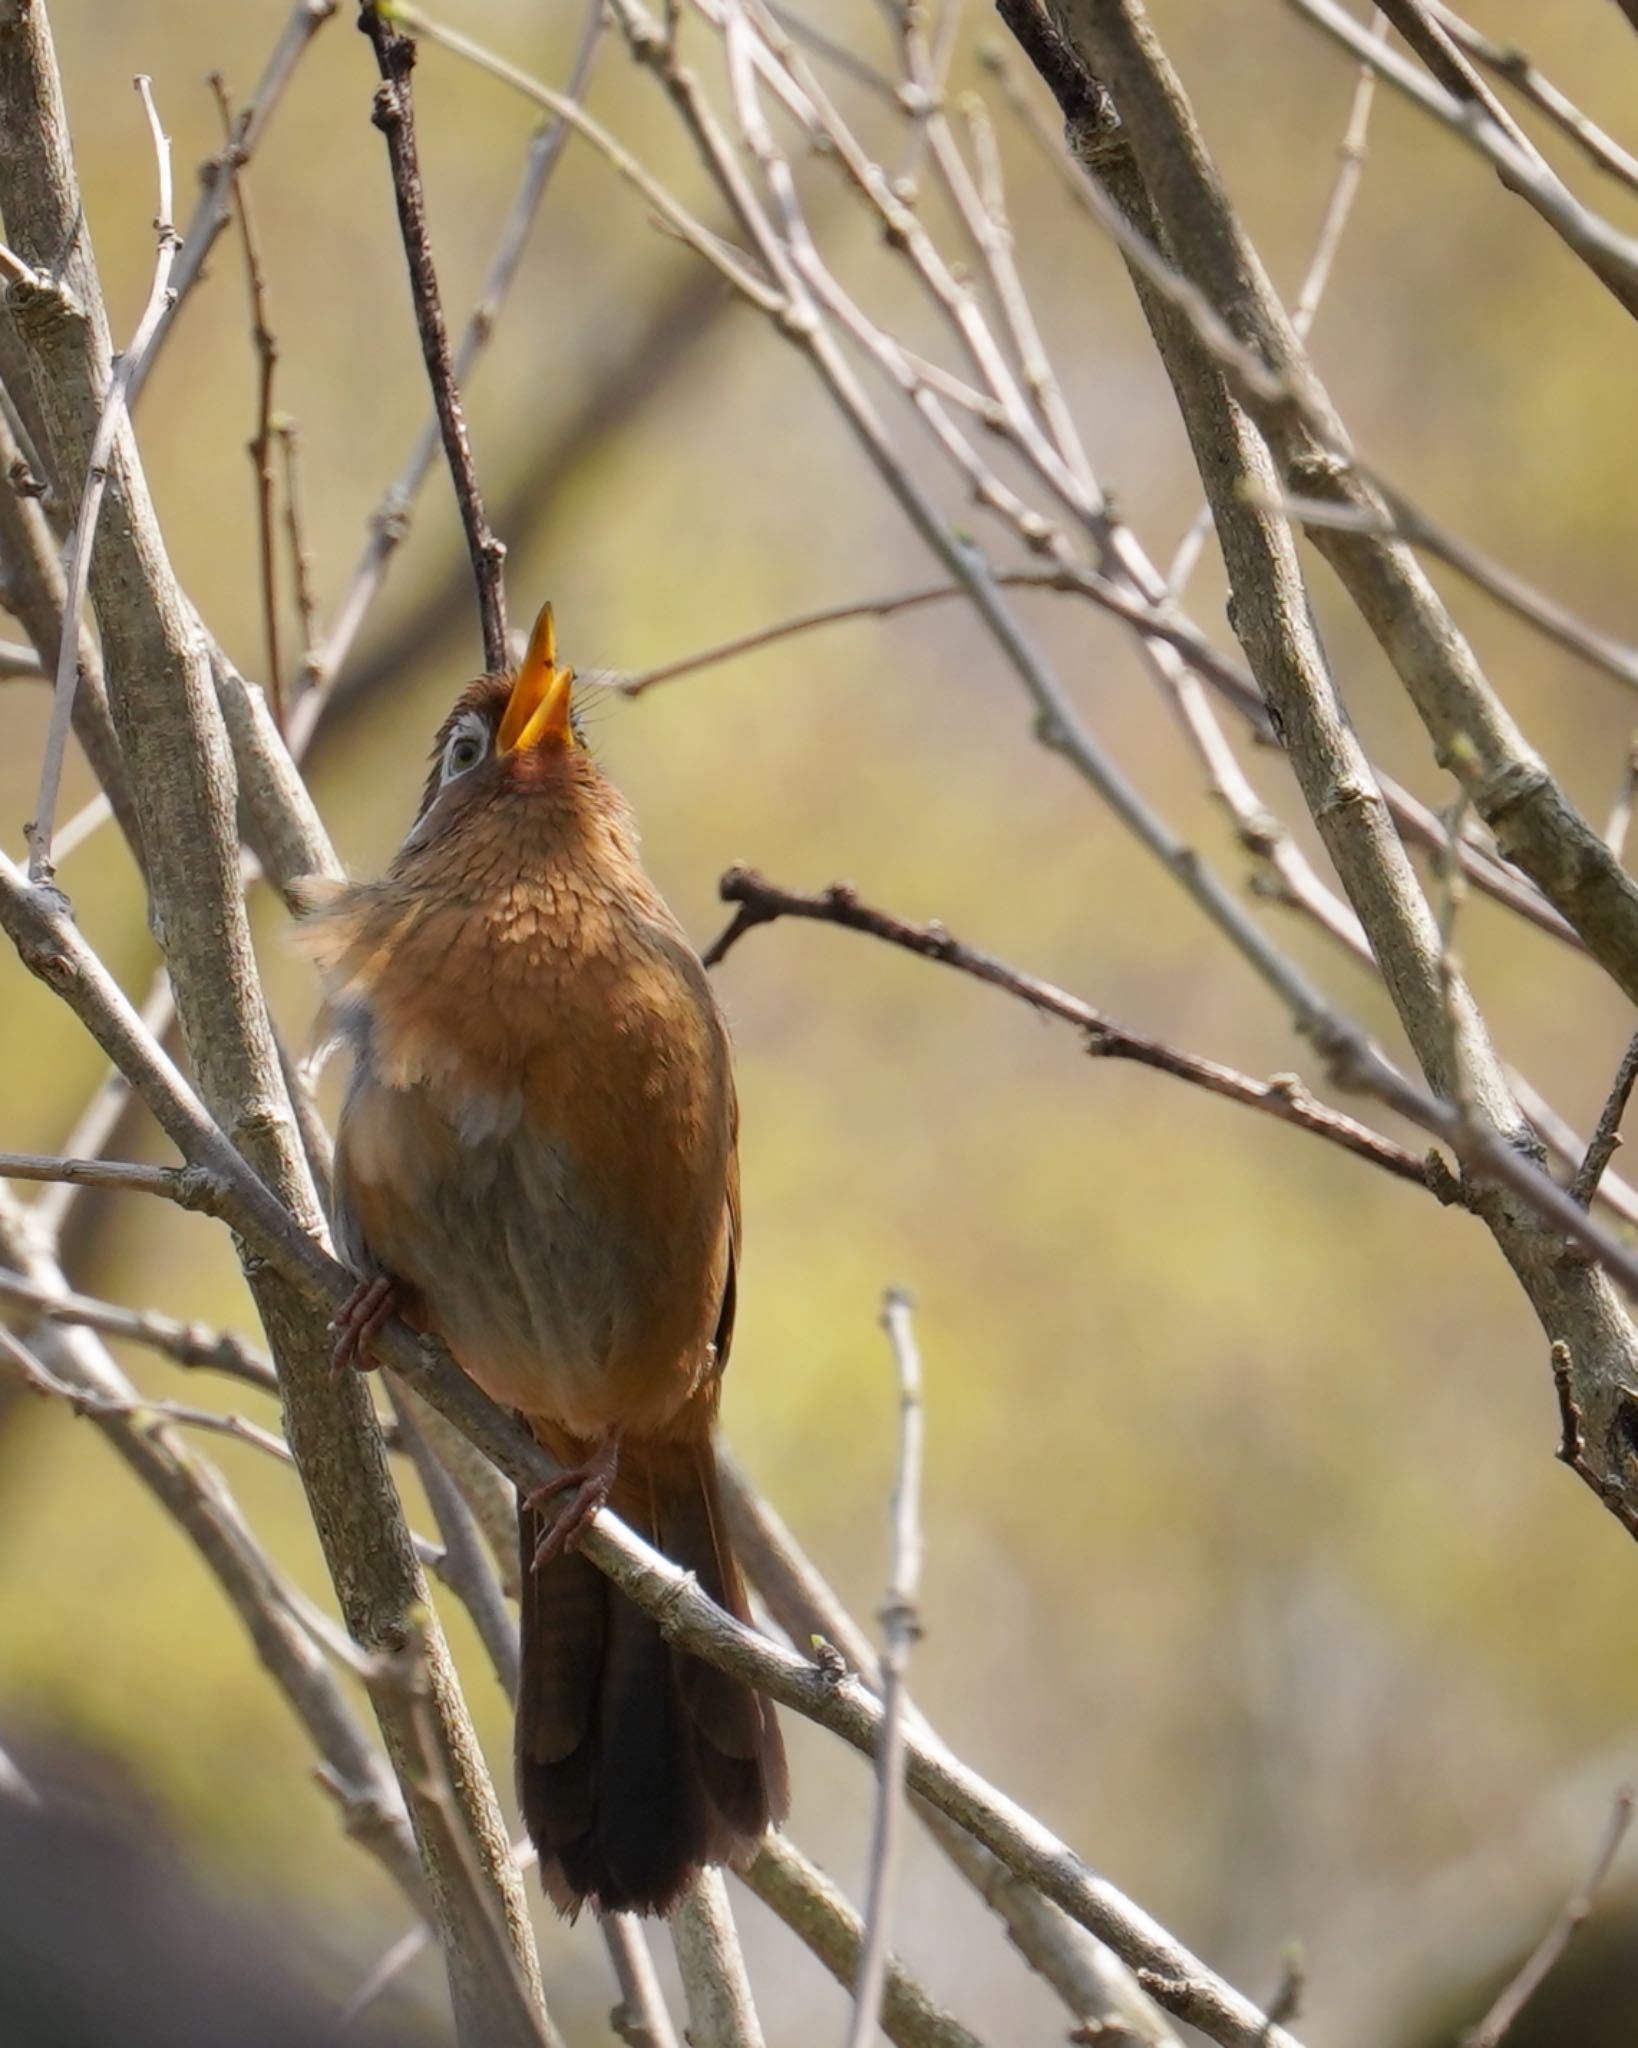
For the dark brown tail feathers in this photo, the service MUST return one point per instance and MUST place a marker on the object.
(637, 1764)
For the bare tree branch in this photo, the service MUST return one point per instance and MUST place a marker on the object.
(900, 1627)
(812, 1907)
(763, 902)
(194, 1495)
(163, 699)
(721, 2013)
(188, 1344)
(395, 116)
(78, 568)
(1512, 64)
(1170, 186)
(261, 443)
(1577, 1909)
(1610, 255)
(213, 210)
(1601, 1149)
(640, 2019)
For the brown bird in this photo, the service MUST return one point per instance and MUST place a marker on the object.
(537, 1159)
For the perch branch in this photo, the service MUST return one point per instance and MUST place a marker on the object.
(50, 944)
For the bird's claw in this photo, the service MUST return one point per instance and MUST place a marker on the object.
(359, 1320)
(587, 1485)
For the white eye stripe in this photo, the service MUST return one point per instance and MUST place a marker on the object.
(466, 746)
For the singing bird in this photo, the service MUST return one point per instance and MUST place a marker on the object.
(537, 1158)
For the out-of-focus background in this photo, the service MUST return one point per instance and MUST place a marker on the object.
(1249, 1564)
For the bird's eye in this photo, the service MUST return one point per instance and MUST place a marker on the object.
(465, 750)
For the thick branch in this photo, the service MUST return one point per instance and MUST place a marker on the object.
(165, 711)
(1153, 160)
(1474, 736)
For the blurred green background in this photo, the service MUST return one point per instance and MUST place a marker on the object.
(1249, 1565)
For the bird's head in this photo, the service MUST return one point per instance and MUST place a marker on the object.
(506, 734)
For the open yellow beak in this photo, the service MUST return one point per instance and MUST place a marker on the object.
(538, 708)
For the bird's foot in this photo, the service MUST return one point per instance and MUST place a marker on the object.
(587, 1485)
(359, 1321)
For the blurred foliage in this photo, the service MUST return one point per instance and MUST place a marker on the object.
(1249, 1563)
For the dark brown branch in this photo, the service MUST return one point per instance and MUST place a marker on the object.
(394, 115)
(267, 356)
(1285, 1097)
(640, 369)
(301, 560)
(1601, 1146)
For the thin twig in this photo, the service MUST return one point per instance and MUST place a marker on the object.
(1607, 1135)
(467, 1568)
(1399, 519)
(301, 560)
(384, 1973)
(261, 444)
(1611, 255)
(109, 421)
(189, 1344)
(390, 522)
(1066, 578)
(146, 1414)
(187, 1187)
(819, 1913)
(100, 1119)
(87, 820)
(1097, 1989)
(761, 902)
(1333, 224)
(1620, 819)
(1576, 1911)
(900, 1627)
(1569, 1148)
(1511, 63)
(640, 2019)
(212, 211)
(394, 115)
(19, 663)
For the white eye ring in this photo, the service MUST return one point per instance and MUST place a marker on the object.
(467, 745)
